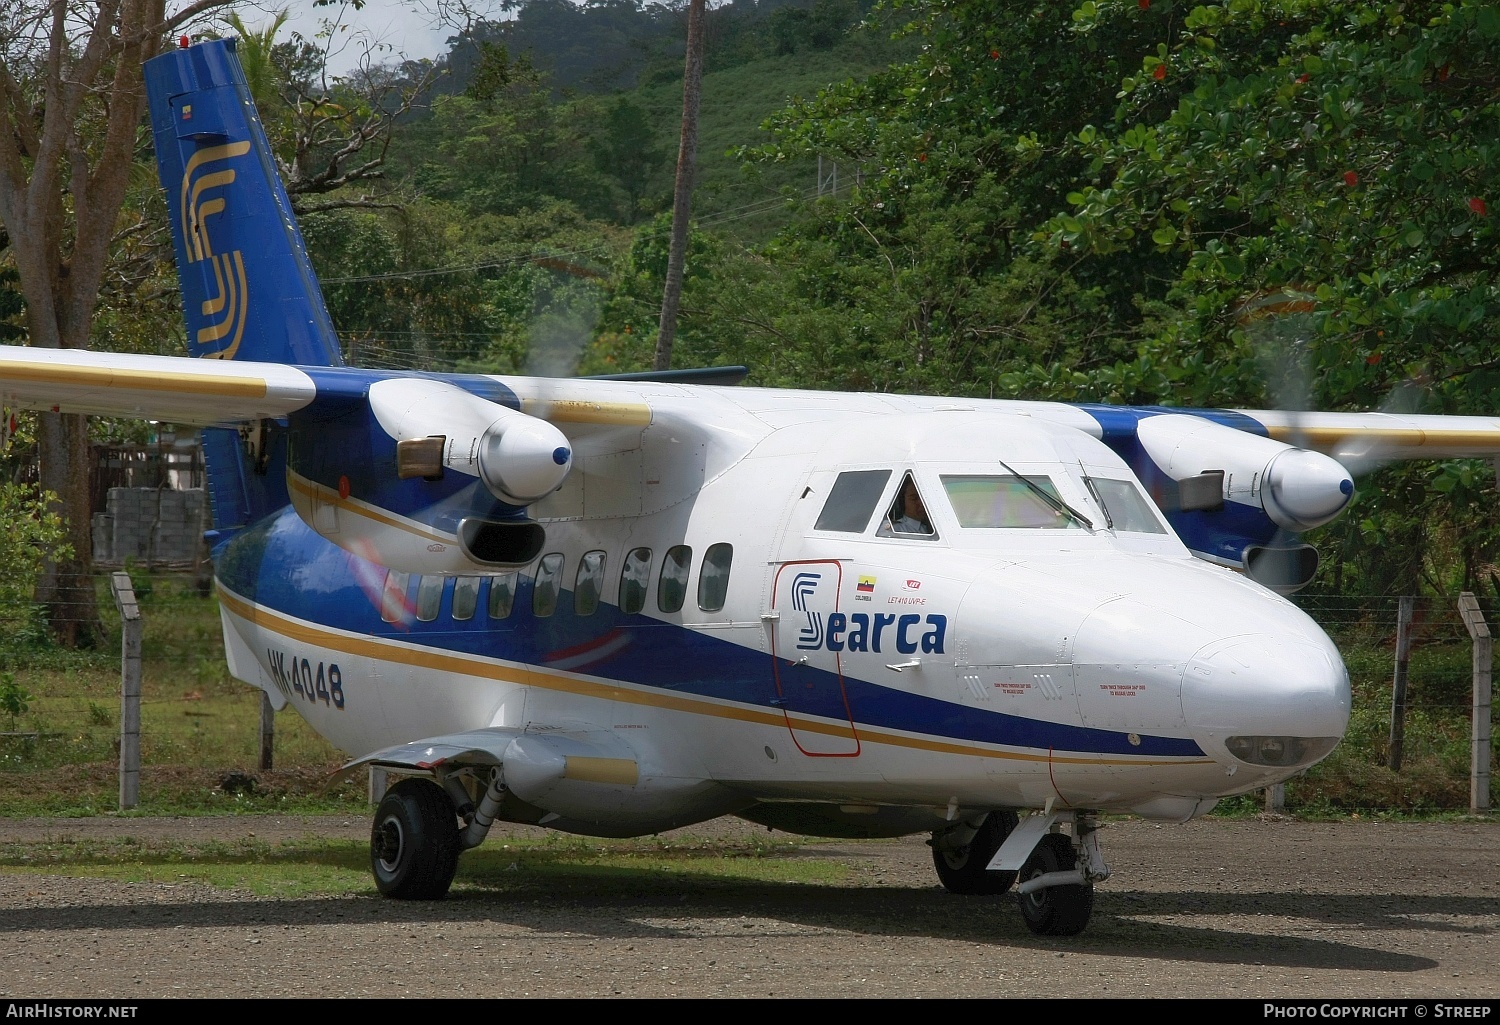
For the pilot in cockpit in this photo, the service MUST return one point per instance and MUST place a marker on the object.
(907, 514)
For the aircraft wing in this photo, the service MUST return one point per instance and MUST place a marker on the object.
(186, 391)
(1358, 438)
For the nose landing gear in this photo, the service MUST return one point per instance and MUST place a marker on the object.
(1057, 909)
(1057, 872)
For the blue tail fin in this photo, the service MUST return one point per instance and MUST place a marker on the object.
(248, 289)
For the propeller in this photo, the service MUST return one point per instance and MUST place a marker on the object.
(1280, 329)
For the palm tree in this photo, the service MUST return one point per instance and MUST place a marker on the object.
(255, 57)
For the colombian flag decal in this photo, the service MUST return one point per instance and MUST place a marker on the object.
(866, 584)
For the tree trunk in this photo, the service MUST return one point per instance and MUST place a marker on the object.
(682, 203)
(69, 114)
(66, 589)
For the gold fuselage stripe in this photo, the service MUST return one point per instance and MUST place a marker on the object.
(470, 665)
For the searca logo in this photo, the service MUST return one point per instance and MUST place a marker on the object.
(862, 631)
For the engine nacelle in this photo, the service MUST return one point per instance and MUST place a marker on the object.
(440, 426)
(447, 503)
(1297, 488)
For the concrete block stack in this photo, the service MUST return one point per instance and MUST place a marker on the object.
(149, 525)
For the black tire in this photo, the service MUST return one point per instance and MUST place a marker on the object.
(1057, 910)
(963, 870)
(414, 841)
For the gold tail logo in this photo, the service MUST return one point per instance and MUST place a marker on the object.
(230, 295)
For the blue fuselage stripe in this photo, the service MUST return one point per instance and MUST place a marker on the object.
(282, 565)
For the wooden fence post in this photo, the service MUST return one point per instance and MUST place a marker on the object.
(1398, 687)
(1276, 799)
(130, 689)
(267, 730)
(1479, 756)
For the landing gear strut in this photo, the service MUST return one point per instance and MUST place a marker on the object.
(414, 842)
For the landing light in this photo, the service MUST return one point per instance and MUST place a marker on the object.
(1280, 751)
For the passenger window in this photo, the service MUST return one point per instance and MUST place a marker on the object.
(465, 597)
(548, 580)
(634, 579)
(393, 598)
(671, 588)
(852, 501)
(1006, 502)
(429, 597)
(589, 583)
(713, 577)
(502, 595)
(907, 517)
(1125, 508)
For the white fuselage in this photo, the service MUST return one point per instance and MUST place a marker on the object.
(975, 666)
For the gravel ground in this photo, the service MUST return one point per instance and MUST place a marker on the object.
(1210, 908)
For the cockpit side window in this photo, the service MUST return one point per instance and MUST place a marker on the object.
(852, 501)
(1125, 508)
(907, 516)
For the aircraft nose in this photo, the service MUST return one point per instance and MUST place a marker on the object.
(1268, 700)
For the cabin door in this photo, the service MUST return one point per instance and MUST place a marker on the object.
(808, 674)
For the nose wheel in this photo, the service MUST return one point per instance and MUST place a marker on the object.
(1058, 910)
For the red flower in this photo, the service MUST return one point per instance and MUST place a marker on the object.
(1477, 205)
(1444, 71)
(1143, 4)
(921, 158)
(1351, 179)
(1303, 77)
(994, 55)
(1160, 72)
(1373, 358)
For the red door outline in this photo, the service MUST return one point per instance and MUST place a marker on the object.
(782, 691)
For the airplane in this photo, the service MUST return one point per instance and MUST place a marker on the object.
(620, 606)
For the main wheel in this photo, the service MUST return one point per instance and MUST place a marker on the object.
(1056, 910)
(962, 870)
(414, 841)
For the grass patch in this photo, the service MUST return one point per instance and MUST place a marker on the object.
(199, 726)
(93, 789)
(552, 865)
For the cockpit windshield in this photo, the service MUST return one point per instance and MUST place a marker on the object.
(1007, 501)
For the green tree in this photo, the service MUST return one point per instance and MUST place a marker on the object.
(1335, 148)
(626, 149)
(70, 79)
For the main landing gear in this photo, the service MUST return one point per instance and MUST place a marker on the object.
(1057, 872)
(416, 837)
(414, 842)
